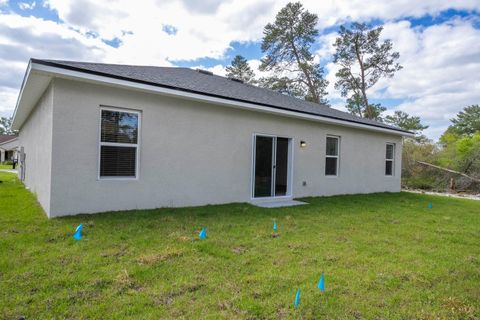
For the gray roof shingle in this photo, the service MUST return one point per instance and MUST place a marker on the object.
(190, 80)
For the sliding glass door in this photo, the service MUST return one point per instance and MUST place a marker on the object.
(271, 166)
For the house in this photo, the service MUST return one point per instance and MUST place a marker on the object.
(8, 147)
(100, 137)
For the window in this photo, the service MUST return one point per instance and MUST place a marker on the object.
(118, 144)
(331, 160)
(389, 159)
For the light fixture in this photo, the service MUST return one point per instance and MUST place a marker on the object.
(303, 144)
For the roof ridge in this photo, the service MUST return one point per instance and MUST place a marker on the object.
(107, 64)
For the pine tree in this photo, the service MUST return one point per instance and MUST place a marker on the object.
(239, 69)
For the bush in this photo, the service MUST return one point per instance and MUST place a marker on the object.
(419, 182)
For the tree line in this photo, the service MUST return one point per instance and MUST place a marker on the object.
(451, 164)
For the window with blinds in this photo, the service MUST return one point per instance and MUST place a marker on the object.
(332, 156)
(118, 144)
(389, 159)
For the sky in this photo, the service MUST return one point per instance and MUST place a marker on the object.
(438, 42)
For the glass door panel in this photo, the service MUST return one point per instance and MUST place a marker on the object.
(281, 167)
(263, 166)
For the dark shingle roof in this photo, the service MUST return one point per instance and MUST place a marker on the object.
(6, 137)
(190, 80)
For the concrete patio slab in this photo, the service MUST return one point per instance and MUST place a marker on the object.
(279, 203)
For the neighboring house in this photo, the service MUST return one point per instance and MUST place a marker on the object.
(8, 147)
(100, 137)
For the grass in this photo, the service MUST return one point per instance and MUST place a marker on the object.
(5, 166)
(385, 256)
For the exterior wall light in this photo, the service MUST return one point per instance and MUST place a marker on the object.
(303, 144)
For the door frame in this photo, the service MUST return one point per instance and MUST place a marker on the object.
(290, 157)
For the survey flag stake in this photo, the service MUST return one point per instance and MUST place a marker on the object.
(78, 233)
(274, 227)
(203, 234)
(321, 283)
(430, 205)
(297, 299)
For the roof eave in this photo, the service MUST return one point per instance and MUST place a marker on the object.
(33, 85)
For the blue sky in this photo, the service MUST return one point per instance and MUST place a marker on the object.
(438, 41)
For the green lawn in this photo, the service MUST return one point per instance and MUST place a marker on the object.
(385, 256)
(5, 166)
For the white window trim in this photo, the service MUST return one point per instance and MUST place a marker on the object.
(330, 156)
(137, 145)
(392, 160)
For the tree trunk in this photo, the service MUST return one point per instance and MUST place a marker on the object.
(362, 75)
(448, 170)
(452, 185)
(311, 88)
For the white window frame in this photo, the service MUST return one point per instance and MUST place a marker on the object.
(392, 160)
(117, 144)
(330, 156)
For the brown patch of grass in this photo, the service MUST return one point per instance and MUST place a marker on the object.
(239, 250)
(126, 282)
(459, 309)
(159, 257)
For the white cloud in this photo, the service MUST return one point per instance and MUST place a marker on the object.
(338, 11)
(219, 69)
(201, 31)
(26, 5)
(8, 98)
(441, 65)
(24, 37)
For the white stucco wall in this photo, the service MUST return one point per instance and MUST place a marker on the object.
(35, 136)
(193, 153)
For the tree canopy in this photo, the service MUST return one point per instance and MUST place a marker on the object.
(239, 69)
(467, 121)
(363, 60)
(403, 120)
(5, 125)
(287, 43)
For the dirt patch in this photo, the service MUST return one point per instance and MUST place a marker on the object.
(125, 281)
(239, 250)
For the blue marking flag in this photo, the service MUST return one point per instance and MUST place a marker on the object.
(321, 283)
(297, 298)
(78, 233)
(274, 227)
(203, 234)
(430, 205)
